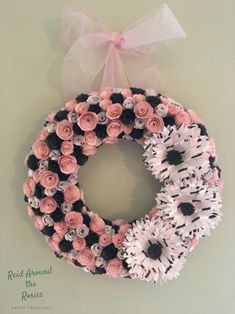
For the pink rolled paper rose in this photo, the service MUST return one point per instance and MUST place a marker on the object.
(127, 128)
(105, 239)
(182, 117)
(57, 237)
(153, 213)
(114, 267)
(42, 135)
(88, 121)
(81, 107)
(68, 164)
(51, 116)
(105, 103)
(90, 138)
(83, 199)
(126, 92)
(143, 109)
(154, 123)
(138, 97)
(97, 224)
(38, 223)
(123, 228)
(212, 149)
(118, 239)
(114, 128)
(114, 111)
(89, 150)
(72, 194)
(41, 150)
(172, 109)
(70, 105)
(30, 212)
(29, 187)
(120, 222)
(37, 174)
(66, 148)
(140, 141)
(48, 205)
(60, 227)
(86, 257)
(64, 130)
(193, 244)
(110, 140)
(79, 244)
(54, 245)
(73, 219)
(49, 179)
(105, 94)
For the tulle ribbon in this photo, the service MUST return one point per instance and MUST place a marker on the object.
(124, 57)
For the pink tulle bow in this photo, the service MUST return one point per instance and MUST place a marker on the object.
(123, 56)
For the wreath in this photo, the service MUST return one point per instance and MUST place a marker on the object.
(177, 151)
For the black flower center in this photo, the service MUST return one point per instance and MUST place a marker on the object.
(173, 157)
(154, 251)
(187, 208)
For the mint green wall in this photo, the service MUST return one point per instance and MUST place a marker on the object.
(198, 72)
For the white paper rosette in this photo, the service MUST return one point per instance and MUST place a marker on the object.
(153, 251)
(176, 152)
(193, 208)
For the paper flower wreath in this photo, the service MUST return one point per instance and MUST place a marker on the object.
(178, 152)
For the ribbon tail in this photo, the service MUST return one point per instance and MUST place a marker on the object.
(114, 73)
(82, 63)
(140, 69)
(155, 27)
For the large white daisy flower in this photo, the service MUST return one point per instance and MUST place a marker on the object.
(177, 152)
(192, 208)
(153, 251)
